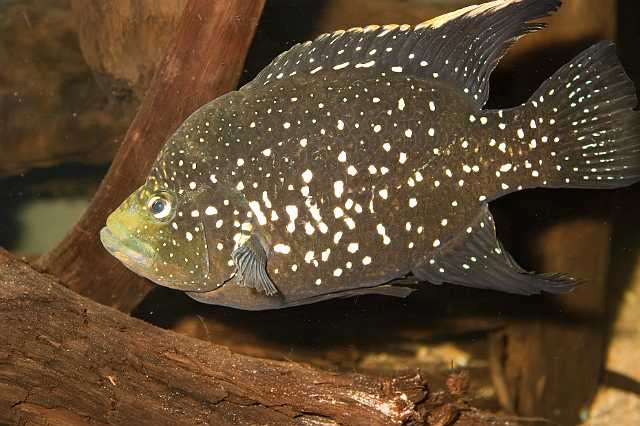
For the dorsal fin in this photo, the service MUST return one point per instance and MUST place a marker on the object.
(461, 47)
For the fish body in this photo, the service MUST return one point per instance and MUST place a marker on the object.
(365, 157)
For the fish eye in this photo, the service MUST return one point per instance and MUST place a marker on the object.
(160, 206)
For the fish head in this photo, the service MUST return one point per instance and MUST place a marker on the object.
(160, 235)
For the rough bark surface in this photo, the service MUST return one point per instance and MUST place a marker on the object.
(204, 61)
(67, 360)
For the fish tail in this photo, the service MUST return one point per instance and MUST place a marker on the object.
(586, 132)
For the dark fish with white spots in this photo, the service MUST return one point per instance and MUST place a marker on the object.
(366, 156)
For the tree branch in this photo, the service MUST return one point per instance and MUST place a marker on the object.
(67, 360)
(205, 61)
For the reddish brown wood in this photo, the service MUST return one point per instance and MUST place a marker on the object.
(549, 367)
(204, 61)
(65, 359)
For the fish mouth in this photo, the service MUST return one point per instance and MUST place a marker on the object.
(129, 251)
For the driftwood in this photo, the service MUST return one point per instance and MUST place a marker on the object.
(550, 365)
(67, 360)
(204, 61)
(45, 80)
(124, 41)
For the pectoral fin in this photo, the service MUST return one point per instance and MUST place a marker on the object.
(251, 263)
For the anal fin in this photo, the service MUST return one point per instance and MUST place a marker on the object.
(251, 262)
(477, 259)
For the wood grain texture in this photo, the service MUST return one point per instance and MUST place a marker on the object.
(204, 61)
(66, 360)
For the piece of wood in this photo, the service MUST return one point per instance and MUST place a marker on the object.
(51, 109)
(124, 41)
(65, 359)
(550, 365)
(204, 61)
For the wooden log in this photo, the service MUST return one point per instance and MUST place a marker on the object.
(550, 365)
(124, 41)
(65, 359)
(204, 61)
(51, 109)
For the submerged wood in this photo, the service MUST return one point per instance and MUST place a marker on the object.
(204, 61)
(68, 360)
(550, 366)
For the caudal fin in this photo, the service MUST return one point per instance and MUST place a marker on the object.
(590, 132)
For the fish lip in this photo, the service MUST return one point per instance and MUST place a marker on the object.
(123, 251)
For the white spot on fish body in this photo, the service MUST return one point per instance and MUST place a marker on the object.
(282, 248)
(350, 223)
(308, 256)
(325, 255)
(338, 188)
(307, 176)
(401, 104)
(336, 237)
(342, 157)
(308, 228)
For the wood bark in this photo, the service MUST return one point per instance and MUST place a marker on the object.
(67, 360)
(550, 365)
(204, 61)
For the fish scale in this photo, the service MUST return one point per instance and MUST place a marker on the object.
(365, 157)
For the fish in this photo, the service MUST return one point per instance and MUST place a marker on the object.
(364, 162)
